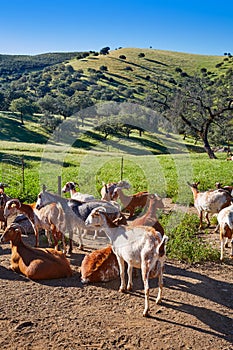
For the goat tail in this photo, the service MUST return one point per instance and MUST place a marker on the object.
(161, 249)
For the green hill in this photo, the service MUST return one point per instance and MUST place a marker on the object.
(138, 69)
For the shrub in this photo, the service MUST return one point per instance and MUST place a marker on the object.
(103, 68)
(128, 68)
(184, 243)
(123, 57)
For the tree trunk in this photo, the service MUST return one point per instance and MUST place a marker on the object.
(204, 137)
(21, 117)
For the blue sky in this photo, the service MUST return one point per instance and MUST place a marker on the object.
(39, 26)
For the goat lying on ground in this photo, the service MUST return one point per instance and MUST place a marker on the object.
(35, 263)
(82, 197)
(141, 247)
(107, 191)
(149, 218)
(211, 201)
(50, 217)
(225, 220)
(99, 266)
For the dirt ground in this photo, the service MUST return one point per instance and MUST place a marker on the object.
(196, 312)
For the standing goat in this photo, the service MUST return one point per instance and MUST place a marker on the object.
(141, 247)
(225, 188)
(3, 199)
(130, 203)
(150, 218)
(82, 197)
(49, 217)
(107, 191)
(211, 201)
(76, 212)
(225, 220)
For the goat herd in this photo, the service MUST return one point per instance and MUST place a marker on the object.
(141, 242)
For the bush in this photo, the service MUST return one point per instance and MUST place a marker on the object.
(184, 243)
(128, 68)
(103, 68)
(122, 57)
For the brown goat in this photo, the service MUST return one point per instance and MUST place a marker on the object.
(130, 203)
(149, 218)
(35, 263)
(99, 266)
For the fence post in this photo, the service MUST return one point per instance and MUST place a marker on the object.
(23, 165)
(59, 185)
(122, 161)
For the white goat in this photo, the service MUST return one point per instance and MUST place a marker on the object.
(225, 220)
(141, 247)
(82, 197)
(211, 201)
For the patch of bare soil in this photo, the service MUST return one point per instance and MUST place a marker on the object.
(196, 312)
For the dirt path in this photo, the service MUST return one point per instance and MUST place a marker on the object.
(196, 312)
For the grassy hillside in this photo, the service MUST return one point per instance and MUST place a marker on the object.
(135, 71)
(147, 161)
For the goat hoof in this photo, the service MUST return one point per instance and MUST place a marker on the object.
(158, 301)
(122, 290)
(146, 313)
(70, 251)
(129, 288)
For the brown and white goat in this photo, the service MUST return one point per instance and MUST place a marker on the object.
(150, 218)
(48, 218)
(211, 201)
(82, 197)
(141, 247)
(107, 191)
(3, 199)
(35, 263)
(99, 266)
(225, 188)
(225, 220)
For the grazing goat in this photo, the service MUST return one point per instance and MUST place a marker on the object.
(149, 218)
(107, 191)
(226, 188)
(82, 197)
(141, 247)
(211, 201)
(47, 218)
(130, 203)
(225, 220)
(35, 263)
(99, 266)
(76, 212)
